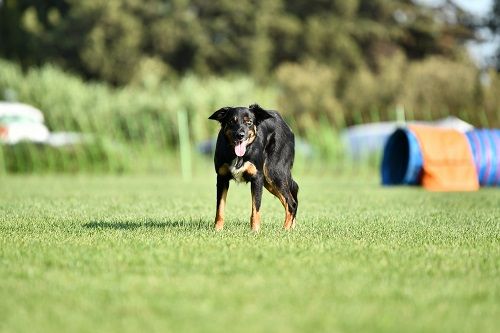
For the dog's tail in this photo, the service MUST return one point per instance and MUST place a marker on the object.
(294, 190)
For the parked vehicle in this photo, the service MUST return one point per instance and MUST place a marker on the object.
(21, 122)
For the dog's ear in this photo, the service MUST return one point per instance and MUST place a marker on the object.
(220, 114)
(260, 113)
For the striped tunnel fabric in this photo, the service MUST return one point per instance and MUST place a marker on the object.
(485, 146)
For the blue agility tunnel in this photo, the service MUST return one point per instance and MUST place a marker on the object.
(403, 159)
(402, 162)
(485, 146)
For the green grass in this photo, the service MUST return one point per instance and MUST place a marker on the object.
(128, 254)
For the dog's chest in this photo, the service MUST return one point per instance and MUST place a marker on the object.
(238, 172)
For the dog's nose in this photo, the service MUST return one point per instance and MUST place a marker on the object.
(240, 135)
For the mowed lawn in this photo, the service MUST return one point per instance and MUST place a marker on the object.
(138, 254)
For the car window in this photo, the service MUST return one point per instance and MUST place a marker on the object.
(16, 120)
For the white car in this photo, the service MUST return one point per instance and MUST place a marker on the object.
(21, 122)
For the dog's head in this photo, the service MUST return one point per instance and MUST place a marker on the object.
(239, 125)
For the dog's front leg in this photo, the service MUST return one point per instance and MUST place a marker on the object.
(222, 188)
(257, 184)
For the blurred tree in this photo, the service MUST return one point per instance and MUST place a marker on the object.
(22, 27)
(102, 39)
(493, 21)
(494, 24)
(113, 39)
(308, 94)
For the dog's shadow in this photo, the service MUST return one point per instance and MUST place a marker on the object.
(148, 224)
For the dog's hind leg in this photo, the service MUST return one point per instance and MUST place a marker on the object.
(294, 190)
(222, 188)
(283, 193)
(256, 187)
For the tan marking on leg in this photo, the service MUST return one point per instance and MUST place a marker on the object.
(266, 174)
(223, 170)
(219, 214)
(289, 220)
(288, 215)
(247, 168)
(255, 218)
(250, 169)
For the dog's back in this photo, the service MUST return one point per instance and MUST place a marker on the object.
(279, 142)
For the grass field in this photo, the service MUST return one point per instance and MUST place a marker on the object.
(128, 254)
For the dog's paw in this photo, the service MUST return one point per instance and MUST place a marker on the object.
(219, 225)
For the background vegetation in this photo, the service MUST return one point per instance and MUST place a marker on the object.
(122, 70)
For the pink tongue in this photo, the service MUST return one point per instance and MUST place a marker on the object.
(240, 148)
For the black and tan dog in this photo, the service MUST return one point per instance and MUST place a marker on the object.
(257, 146)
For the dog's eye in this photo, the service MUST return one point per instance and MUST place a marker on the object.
(249, 123)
